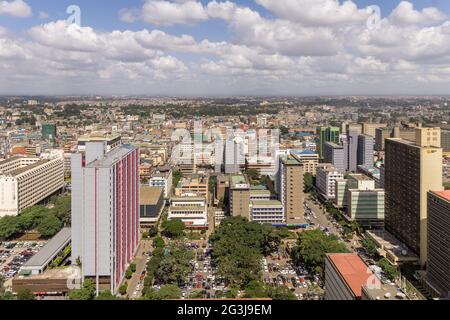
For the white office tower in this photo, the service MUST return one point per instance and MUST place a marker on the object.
(105, 212)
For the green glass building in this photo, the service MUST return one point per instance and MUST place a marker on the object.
(327, 134)
(49, 131)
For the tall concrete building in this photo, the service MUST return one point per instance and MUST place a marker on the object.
(234, 155)
(25, 181)
(335, 154)
(351, 150)
(289, 186)
(365, 150)
(355, 127)
(326, 178)
(326, 134)
(309, 159)
(410, 171)
(370, 128)
(105, 212)
(239, 196)
(438, 265)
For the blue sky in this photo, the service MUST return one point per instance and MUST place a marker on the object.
(214, 47)
(103, 15)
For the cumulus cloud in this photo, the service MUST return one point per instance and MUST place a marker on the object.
(316, 12)
(15, 8)
(303, 46)
(405, 14)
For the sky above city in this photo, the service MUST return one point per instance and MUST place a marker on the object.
(224, 48)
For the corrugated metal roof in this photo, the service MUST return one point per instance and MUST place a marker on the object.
(50, 250)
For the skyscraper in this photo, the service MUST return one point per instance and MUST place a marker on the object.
(289, 185)
(438, 265)
(105, 212)
(351, 149)
(335, 154)
(365, 150)
(326, 134)
(410, 171)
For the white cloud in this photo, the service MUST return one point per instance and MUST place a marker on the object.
(304, 46)
(15, 8)
(160, 12)
(405, 14)
(43, 15)
(316, 12)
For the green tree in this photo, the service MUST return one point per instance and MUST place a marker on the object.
(9, 227)
(174, 228)
(253, 174)
(87, 291)
(158, 242)
(63, 209)
(176, 177)
(238, 247)
(175, 265)
(133, 267)
(106, 295)
(49, 226)
(25, 294)
(390, 271)
(308, 182)
(167, 292)
(312, 246)
(280, 293)
(123, 289)
(152, 231)
(370, 247)
(255, 289)
(128, 274)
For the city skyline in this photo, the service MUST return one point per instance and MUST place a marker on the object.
(218, 48)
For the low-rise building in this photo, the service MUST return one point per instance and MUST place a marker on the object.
(162, 177)
(193, 185)
(151, 205)
(345, 276)
(193, 211)
(267, 211)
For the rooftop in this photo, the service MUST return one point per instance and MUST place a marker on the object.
(443, 194)
(29, 167)
(238, 180)
(383, 292)
(352, 269)
(111, 157)
(150, 195)
(266, 203)
(51, 249)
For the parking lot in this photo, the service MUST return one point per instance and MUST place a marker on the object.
(280, 271)
(14, 254)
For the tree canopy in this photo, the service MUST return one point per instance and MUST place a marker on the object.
(238, 247)
(173, 228)
(312, 246)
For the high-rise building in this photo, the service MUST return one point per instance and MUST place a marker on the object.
(410, 171)
(355, 127)
(234, 155)
(191, 210)
(25, 181)
(438, 265)
(326, 178)
(351, 150)
(105, 212)
(381, 134)
(309, 159)
(335, 154)
(267, 211)
(370, 128)
(326, 134)
(289, 186)
(365, 150)
(239, 196)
